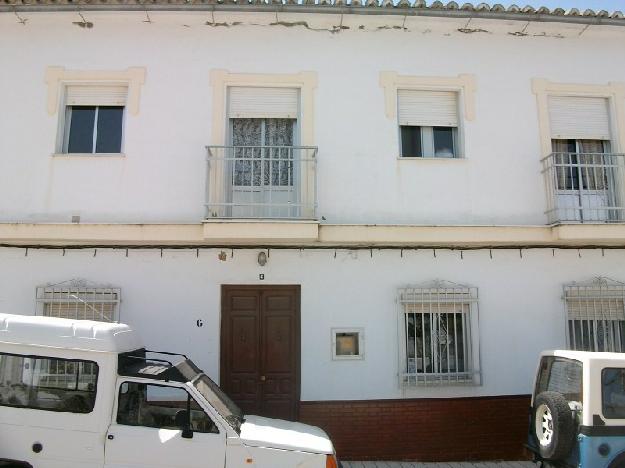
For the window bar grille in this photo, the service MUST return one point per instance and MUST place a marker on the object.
(84, 303)
(595, 315)
(81, 303)
(435, 318)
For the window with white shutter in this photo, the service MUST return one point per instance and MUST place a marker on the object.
(428, 122)
(579, 118)
(94, 116)
(263, 103)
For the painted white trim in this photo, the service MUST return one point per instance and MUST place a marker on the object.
(464, 84)
(613, 91)
(220, 80)
(58, 77)
(361, 344)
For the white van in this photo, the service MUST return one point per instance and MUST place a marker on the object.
(77, 394)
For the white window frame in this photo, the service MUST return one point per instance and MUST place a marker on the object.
(597, 295)
(59, 78)
(433, 293)
(66, 127)
(361, 344)
(614, 92)
(87, 298)
(464, 85)
(428, 148)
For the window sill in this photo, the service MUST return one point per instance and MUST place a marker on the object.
(348, 358)
(89, 155)
(400, 158)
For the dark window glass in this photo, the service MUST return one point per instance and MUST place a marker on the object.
(613, 393)
(560, 375)
(47, 383)
(81, 123)
(161, 407)
(109, 138)
(411, 142)
(444, 142)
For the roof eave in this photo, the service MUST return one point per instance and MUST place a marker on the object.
(87, 5)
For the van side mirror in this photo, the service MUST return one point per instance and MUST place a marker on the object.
(183, 421)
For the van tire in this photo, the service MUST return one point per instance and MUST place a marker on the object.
(554, 427)
(618, 462)
(14, 464)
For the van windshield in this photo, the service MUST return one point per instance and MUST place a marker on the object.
(220, 401)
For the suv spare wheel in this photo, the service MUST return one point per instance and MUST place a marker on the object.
(553, 425)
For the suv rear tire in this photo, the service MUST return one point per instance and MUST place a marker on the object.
(554, 426)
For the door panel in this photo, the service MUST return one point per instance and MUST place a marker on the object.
(148, 447)
(146, 432)
(260, 353)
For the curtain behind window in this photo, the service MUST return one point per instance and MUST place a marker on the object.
(267, 143)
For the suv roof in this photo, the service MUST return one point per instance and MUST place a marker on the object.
(585, 356)
(67, 333)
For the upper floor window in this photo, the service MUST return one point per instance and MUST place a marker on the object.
(439, 328)
(596, 315)
(428, 123)
(94, 117)
(267, 173)
(582, 173)
(581, 164)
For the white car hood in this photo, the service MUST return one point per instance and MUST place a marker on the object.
(257, 431)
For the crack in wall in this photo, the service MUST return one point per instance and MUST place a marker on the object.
(472, 30)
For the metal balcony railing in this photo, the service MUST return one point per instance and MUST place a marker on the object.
(272, 182)
(585, 187)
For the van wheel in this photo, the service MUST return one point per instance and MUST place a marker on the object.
(618, 462)
(554, 427)
(14, 464)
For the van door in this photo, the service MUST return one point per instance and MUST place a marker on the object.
(147, 430)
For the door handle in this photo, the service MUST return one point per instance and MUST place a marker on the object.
(110, 437)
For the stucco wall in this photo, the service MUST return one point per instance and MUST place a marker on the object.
(359, 177)
(520, 306)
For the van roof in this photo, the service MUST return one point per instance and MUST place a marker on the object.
(67, 333)
(586, 356)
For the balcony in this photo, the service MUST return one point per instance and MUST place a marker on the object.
(585, 187)
(261, 182)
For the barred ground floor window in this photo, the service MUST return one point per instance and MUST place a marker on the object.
(438, 324)
(81, 300)
(596, 315)
(78, 299)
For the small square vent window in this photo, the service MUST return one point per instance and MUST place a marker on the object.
(347, 343)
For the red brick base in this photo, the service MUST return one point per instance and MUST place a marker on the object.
(484, 428)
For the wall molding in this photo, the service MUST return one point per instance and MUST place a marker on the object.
(220, 80)
(310, 234)
(613, 91)
(57, 77)
(465, 84)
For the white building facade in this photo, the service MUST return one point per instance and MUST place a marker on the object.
(371, 218)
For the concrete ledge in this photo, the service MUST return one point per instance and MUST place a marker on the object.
(310, 234)
(435, 235)
(590, 232)
(262, 231)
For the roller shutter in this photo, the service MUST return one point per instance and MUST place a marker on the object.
(427, 108)
(252, 102)
(579, 118)
(96, 95)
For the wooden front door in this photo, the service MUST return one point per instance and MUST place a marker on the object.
(260, 348)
